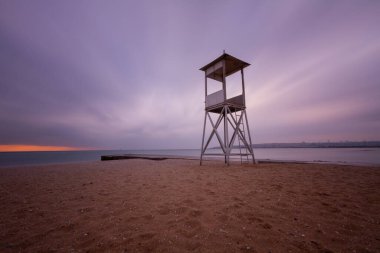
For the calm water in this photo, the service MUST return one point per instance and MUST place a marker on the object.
(365, 156)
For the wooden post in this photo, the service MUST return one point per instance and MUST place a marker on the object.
(205, 86)
(226, 144)
(203, 136)
(225, 115)
(249, 137)
(243, 85)
(224, 80)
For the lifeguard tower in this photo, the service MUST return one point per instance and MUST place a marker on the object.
(230, 111)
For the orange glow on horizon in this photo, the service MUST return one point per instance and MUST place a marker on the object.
(20, 148)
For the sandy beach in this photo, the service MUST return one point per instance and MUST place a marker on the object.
(178, 206)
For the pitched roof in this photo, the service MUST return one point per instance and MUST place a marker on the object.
(232, 65)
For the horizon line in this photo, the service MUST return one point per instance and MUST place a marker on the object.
(47, 148)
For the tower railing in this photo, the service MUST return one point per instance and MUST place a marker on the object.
(215, 98)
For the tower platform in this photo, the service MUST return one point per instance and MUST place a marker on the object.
(231, 103)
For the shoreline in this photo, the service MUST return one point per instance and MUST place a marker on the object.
(209, 159)
(233, 159)
(335, 156)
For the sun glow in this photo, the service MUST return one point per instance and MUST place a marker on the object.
(20, 148)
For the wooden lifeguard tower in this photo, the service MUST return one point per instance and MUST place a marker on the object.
(230, 111)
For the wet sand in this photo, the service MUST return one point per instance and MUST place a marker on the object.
(178, 206)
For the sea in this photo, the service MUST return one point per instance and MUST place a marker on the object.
(355, 156)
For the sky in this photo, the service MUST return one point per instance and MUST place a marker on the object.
(125, 74)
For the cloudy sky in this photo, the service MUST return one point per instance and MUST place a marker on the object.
(125, 74)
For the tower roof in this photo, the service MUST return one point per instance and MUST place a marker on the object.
(214, 69)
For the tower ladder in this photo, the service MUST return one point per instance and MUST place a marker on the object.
(243, 151)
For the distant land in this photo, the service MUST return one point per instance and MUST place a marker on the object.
(343, 144)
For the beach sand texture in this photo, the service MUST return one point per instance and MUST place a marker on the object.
(179, 206)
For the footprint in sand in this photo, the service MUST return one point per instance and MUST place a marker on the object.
(223, 218)
(188, 202)
(266, 226)
(146, 236)
(148, 217)
(181, 210)
(319, 247)
(85, 210)
(163, 209)
(209, 184)
(253, 219)
(189, 228)
(200, 199)
(195, 213)
(322, 194)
